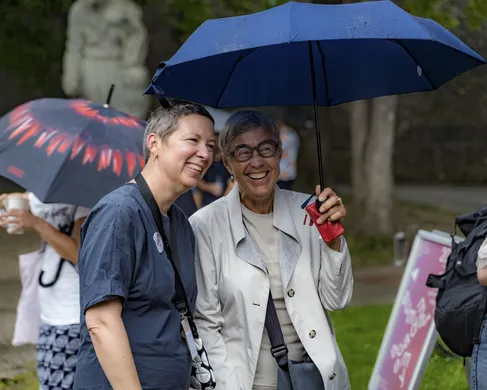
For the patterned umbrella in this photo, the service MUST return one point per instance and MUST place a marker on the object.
(70, 150)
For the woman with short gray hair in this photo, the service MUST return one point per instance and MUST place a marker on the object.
(130, 325)
(255, 257)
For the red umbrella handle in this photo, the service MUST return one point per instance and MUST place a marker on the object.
(328, 230)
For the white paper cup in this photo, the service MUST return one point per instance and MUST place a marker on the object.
(15, 202)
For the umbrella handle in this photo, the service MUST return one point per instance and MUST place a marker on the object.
(329, 231)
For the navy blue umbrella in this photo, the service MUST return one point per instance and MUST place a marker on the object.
(70, 150)
(312, 54)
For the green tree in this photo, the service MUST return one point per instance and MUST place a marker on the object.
(186, 15)
(373, 124)
(32, 36)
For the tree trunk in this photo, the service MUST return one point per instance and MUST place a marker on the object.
(372, 124)
(359, 127)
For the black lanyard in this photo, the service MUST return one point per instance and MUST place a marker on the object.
(180, 300)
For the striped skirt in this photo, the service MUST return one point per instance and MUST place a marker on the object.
(57, 355)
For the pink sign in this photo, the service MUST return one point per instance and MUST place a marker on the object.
(410, 335)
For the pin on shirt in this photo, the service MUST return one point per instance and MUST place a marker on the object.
(159, 243)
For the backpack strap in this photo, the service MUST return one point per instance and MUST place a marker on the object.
(480, 319)
(438, 281)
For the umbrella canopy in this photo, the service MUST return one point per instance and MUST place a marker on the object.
(312, 54)
(358, 51)
(70, 150)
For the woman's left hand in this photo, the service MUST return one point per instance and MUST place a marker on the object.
(332, 209)
(24, 219)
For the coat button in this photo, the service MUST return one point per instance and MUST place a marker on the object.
(312, 333)
(290, 293)
(332, 376)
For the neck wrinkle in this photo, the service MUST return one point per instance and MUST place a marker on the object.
(258, 206)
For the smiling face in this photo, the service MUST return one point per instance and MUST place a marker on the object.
(185, 155)
(258, 175)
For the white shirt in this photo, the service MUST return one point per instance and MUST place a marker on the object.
(266, 237)
(59, 303)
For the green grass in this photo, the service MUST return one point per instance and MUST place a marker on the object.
(26, 381)
(359, 333)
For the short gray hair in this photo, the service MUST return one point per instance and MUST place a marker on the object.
(245, 120)
(163, 121)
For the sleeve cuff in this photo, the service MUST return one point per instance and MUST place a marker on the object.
(334, 258)
(101, 292)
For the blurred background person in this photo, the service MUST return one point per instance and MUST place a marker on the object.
(59, 338)
(216, 182)
(289, 160)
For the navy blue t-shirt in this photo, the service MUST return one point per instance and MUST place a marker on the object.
(119, 257)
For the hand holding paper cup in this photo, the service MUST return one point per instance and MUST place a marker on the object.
(15, 202)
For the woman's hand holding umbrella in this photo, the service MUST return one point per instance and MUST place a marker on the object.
(332, 210)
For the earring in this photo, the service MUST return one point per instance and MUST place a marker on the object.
(232, 179)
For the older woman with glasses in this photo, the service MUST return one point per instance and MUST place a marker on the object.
(253, 249)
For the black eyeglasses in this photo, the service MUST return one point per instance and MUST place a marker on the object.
(265, 149)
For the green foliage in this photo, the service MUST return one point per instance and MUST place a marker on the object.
(475, 13)
(185, 16)
(32, 36)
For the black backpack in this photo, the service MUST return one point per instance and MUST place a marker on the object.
(461, 301)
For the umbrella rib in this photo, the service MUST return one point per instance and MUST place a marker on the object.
(324, 73)
(399, 43)
(239, 59)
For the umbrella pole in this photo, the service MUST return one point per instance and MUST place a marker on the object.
(109, 97)
(317, 122)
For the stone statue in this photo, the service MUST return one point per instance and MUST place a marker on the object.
(107, 44)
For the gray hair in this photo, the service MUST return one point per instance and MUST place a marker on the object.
(163, 121)
(245, 120)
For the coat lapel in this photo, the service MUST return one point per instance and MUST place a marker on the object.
(245, 248)
(289, 245)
